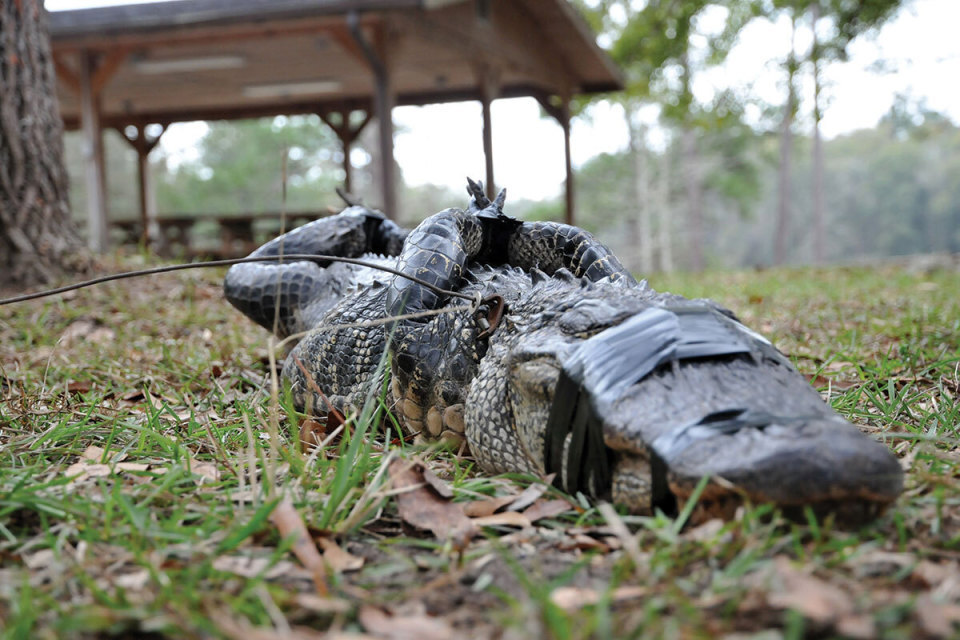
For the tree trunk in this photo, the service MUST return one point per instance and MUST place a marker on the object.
(691, 174)
(819, 238)
(664, 212)
(38, 240)
(786, 157)
(640, 227)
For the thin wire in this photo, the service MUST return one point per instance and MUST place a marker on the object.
(226, 263)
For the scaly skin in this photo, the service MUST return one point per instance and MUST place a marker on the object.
(561, 287)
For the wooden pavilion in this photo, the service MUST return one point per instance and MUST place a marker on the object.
(348, 61)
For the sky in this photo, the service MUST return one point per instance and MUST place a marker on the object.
(441, 144)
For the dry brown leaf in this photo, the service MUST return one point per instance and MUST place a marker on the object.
(527, 497)
(938, 619)
(412, 627)
(932, 574)
(131, 466)
(133, 581)
(133, 397)
(288, 522)
(338, 559)
(705, 532)
(92, 453)
(317, 604)
(857, 626)
(546, 509)
(206, 470)
(238, 628)
(571, 598)
(253, 566)
(312, 433)
(442, 488)
(80, 470)
(584, 542)
(816, 599)
(40, 559)
(481, 508)
(79, 386)
(155, 403)
(877, 562)
(88, 329)
(421, 507)
(507, 518)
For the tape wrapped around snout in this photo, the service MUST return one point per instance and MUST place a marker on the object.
(599, 371)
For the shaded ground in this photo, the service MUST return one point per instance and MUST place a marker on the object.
(142, 462)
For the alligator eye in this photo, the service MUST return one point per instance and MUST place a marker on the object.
(536, 378)
(590, 316)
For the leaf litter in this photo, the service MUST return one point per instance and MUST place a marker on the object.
(112, 483)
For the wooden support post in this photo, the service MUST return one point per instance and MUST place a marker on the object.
(143, 147)
(97, 238)
(383, 102)
(384, 108)
(561, 113)
(489, 80)
(568, 161)
(339, 121)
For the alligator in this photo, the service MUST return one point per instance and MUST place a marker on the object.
(561, 363)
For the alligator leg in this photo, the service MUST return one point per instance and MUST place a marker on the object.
(288, 298)
(430, 377)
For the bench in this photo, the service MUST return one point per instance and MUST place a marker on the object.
(216, 236)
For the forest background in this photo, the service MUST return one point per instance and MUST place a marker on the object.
(732, 179)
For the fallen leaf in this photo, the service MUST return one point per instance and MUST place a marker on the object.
(338, 559)
(413, 627)
(88, 329)
(585, 543)
(79, 470)
(705, 532)
(133, 397)
(480, 508)
(816, 599)
(571, 598)
(527, 497)
(877, 562)
(859, 627)
(442, 488)
(131, 466)
(939, 619)
(312, 433)
(507, 518)
(317, 604)
(421, 507)
(40, 559)
(238, 628)
(79, 386)
(254, 566)
(546, 509)
(206, 470)
(288, 522)
(135, 580)
(92, 453)
(933, 574)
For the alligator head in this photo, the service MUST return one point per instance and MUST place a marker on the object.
(634, 395)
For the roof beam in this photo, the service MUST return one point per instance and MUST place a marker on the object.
(106, 67)
(206, 34)
(485, 46)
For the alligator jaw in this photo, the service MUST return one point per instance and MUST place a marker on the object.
(825, 464)
(798, 454)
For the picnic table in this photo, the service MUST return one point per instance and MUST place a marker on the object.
(206, 235)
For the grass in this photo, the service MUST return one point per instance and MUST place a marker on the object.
(158, 392)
